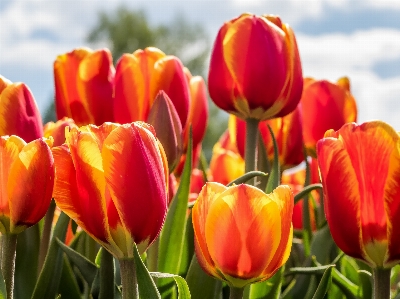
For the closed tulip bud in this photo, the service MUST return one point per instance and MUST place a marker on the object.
(255, 70)
(242, 235)
(26, 180)
(324, 106)
(360, 171)
(84, 82)
(112, 180)
(57, 129)
(165, 120)
(19, 114)
(138, 79)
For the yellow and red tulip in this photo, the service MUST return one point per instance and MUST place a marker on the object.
(19, 114)
(84, 82)
(242, 235)
(57, 130)
(360, 171)
(27, 179)
(112, 180)
(324, 106)
(138, 79)
(255, 69)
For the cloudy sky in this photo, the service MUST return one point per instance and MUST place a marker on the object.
(356, 38)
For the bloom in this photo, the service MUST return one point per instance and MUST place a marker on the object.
(19, 114)
(242, 235)
(57, 129)
(360, 171)
(324, 106)
(255, 68)
(84, 86)
(26, 180)
(112, 180)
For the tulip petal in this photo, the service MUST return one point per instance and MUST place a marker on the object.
(34, 170)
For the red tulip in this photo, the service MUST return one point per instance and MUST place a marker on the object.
(97, 186)
(84, 86)
(255, 69)
(19, 114)
(360, 171)
(57, 130)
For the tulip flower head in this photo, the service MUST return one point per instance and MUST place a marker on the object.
(57, 129)
(112, 180)
(242, 235)
(255, 70)
(360, 171)
(26, 180)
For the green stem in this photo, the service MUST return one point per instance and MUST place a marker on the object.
(236, 293)
(44, 242)
(106, 275)
(152, 256)
(381, 283)
(128, 279)
(250, 152)
(9, 246)
(307, 231)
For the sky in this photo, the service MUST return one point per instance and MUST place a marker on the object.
(355, 38)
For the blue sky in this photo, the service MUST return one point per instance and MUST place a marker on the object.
(356, 38)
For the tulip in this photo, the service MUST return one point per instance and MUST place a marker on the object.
(19, 114)
(325, 106)
(57, 130)
(242, 235)
(138, 79)
(97, 186)
(359, 167)
(255, 70)
(226, 163)
(84, 86)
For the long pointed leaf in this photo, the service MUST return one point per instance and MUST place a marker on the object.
(183, 289)
(324, 284)
(274, 178)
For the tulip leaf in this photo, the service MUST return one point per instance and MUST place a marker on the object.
(85, 266)
(274, 178)
(269, 289)
(324, 284)
(106, 272)
(310, 270)
(306, 190)
(69, 287)
(49, 278)
(147, 287)
(183, 289)
(173, 232)
(348, 288)
(200, 284)
(3, 290)
(246, 177)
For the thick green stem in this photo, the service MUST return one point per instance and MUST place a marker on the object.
(381, 283)
(45, 240)
(9, 245)
(106, 275)
(128, 279)
(236, 293)
(250, 152)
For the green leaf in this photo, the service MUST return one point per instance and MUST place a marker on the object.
(323, 247)
(274, 178)
(69, 287)
(306, 190)
(147, 287)
(183, 289)
(49, 279)
(85, 266)
(188, 247)
(173, 232)
(246, 177)
(324, 284)
(310, 270)
(200, 284)
(106, 274)
(346, 286)
(3, 289)
(269, 289)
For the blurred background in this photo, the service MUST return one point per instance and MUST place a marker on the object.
(355, 38)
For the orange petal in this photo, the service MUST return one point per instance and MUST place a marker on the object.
(4, 82)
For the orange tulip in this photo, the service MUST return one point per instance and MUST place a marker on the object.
(84, 86)
(57, 130)
(242, 235)
(138, 79)
(360, 171)
(255, 69)
(325, 106)
(112, 180)
(226, 163)
(19, 114)
(26, 178)
(288, 134)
